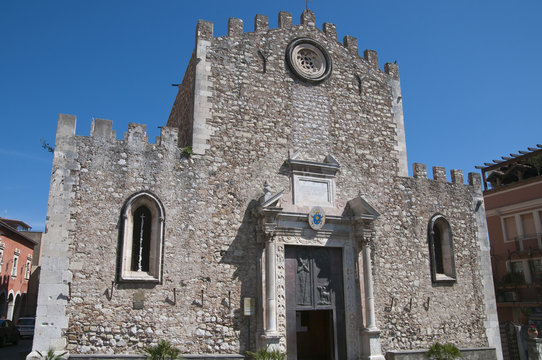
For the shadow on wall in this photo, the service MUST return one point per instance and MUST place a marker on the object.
(244, 254)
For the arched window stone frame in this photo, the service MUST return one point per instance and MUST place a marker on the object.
(126, 272)
(441, 250)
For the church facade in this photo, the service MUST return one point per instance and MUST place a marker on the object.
(274, 210)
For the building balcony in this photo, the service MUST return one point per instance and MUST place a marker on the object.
(528, 242)
(513, 289)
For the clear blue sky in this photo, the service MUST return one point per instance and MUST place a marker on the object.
(471, 73)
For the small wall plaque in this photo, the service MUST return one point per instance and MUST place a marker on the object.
(138, 300)
(137, 305)
(249, 306)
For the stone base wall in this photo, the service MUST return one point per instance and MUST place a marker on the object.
(141, 357)
(466, 354)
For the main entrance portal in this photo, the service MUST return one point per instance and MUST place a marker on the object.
(314, 303)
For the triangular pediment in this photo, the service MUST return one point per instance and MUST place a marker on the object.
(326, 167)
(271, 201)
(362, 209)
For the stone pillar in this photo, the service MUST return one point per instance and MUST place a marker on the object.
(55, 277)
(397, 110)
(271, 336)
(371, 334)
(270, 287)
(370, 319)
(203, 82)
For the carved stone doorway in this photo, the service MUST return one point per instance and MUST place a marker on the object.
(315, 325)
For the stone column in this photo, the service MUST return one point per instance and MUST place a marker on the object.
(270, 286)
(270, 334)
(370, 319)
(371, 334)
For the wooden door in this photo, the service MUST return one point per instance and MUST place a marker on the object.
(314, 291)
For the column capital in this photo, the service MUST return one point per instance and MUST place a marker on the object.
(364, 231)
(267, 222)
(269, 233)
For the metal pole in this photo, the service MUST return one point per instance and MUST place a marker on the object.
(248, 339)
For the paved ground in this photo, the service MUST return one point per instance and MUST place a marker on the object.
(16, 352)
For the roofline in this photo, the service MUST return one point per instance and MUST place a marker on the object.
(17, 221)
(507, 160)
(16, 232)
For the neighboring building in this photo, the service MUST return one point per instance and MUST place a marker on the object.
(16, 254)
(33, 283)
(513, 201)
(275, 209)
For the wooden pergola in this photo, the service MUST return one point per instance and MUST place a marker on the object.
(514, 165)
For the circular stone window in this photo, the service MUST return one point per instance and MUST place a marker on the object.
(308, 60)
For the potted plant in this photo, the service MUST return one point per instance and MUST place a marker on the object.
(439, 351)
(164, 350)
(50, 355)
(266, 354)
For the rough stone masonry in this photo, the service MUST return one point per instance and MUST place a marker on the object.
(283, 124)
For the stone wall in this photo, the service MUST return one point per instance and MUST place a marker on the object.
(466, 354)
(191, 305)
(183, 107)
(412, 311)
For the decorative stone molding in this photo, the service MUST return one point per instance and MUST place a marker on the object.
(308, 60)
(282, 222)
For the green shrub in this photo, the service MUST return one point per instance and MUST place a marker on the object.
(265, 354)
(438, 351)
(51, 355)
(187, 151)
(164, 350)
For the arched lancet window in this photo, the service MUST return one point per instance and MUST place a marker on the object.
(441, 250)
(141, 238)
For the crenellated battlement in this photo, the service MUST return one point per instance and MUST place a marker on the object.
(204, 31)
(192, 111)
(439, 174)
(102, 130)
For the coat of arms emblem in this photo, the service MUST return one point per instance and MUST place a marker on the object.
(317, 218)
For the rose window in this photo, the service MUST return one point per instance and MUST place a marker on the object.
(308, 60)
